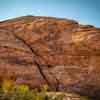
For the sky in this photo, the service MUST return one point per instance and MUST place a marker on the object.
(84, 11)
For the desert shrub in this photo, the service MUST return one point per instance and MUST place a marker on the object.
(9, 91)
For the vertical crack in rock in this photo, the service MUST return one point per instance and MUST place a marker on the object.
(57, 81)
(40, 70)
(40, 66)
(34, 54)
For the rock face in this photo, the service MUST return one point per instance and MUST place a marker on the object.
(58, 52)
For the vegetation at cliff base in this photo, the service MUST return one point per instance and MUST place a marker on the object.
(9, 91)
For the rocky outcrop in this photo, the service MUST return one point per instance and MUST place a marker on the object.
(59, 52)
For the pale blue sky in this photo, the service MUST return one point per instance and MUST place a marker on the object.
(84, 11)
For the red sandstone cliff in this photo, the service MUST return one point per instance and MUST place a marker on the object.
(58, 52)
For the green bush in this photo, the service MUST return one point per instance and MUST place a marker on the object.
(8, 91)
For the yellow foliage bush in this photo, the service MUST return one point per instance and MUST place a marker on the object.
(9, 91)
(7, 84)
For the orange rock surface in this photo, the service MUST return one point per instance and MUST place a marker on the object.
(59, 52)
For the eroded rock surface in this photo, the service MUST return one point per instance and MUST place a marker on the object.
(45, 50)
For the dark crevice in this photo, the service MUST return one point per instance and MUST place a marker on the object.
(57, 85)
(37, 64)
(35, 54)
(40, 70)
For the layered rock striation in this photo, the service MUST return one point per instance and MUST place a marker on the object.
(59, 52)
